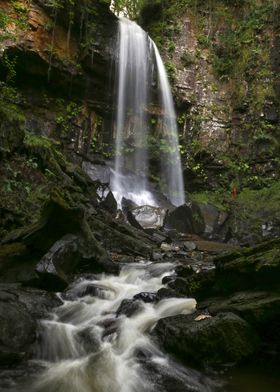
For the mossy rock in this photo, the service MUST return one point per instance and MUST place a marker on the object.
(252, 268)
(58, 218)
(17, 264)
(212, 341)
(11, 135)
(45, 151)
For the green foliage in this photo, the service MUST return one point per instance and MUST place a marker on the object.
(67, 113)
(56, 4)
(218, 199)
(129, 8)
(31, 140)
(239, 34)
(9, 100)
(203, 41)
(171, 71)
(4, 20)
(265, 200)
(19, 7)
(188, 59)
(10, 65)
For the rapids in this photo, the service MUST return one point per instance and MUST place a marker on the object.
(87, 345)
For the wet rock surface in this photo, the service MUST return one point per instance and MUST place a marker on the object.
(56, 267)
(180, 219)
(20, 310)
(149, 217)
(146, 297)
(197, 218)
(214, 340)
(170, 378)
(129, 307)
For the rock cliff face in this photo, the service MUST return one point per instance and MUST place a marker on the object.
(223, 62)
(57, 76)
(58, 55)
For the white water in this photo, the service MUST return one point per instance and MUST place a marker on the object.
(171, 167)
(132, 97)
(138, 58)
(128, 186)
(86, 347)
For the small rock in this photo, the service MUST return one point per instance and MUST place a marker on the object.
(202, 317)
(129, 307)
(184, 271)
(146, 297)
(190, 245)
(168, 279)
(164, 293)
(156, 256)
(127, 205)
(169, 247)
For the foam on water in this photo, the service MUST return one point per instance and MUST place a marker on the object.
(86, 347)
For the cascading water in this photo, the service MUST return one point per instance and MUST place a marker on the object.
(171, 167)
(89, 346)
(134, 72)
(138, 59)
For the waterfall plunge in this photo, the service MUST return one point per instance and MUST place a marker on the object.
(138, 59)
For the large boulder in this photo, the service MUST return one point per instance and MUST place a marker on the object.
(121, 238)
(58, 265)
(67, 256)
(261, 309)
(19, 310)
(180, 219)
(149, 217)
(109, 203)
(16, 264)
(258, 307)
(198, 218)
(249, 269)
(58, 218)
(207, 340)
(191, 284)
(214, 221)
(96, 172)
(55, 246)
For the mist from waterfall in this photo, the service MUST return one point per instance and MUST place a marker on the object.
(138, 62)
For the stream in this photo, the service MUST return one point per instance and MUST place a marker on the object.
(89, 345)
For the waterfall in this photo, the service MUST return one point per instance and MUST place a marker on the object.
(138, 61)
(133, 77)
(171, 167)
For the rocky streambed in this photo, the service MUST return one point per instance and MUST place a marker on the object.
(87, 285)
(125, 316)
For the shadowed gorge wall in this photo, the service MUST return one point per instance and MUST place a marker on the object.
(222, 58)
